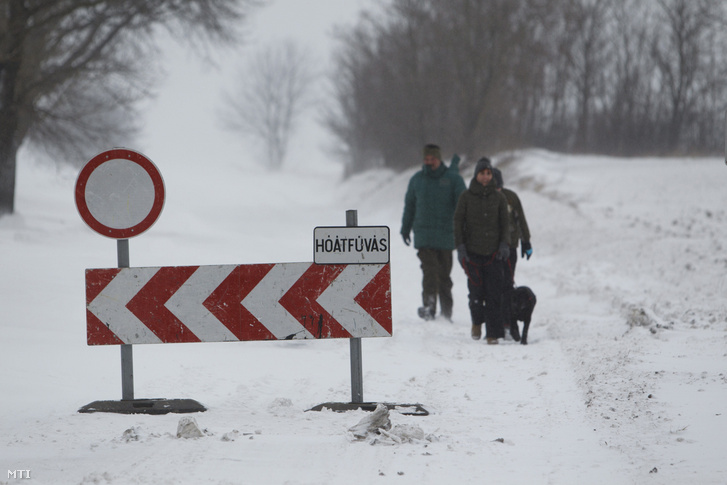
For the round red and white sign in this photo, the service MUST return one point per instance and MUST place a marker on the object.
(119, 193)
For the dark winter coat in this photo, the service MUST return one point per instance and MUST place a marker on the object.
(480, 220)
(429, 204)
(518, 224)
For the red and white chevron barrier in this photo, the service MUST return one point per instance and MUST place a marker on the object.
(237, 303)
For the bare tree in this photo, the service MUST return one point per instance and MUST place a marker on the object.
(586, 49)
(347, 116)
(389, 87)
(624, 127)
(485, 42)
(434, 70)
(72, 71)
(273, 91)
(681, 50)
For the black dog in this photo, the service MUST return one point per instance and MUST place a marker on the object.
(522, 306)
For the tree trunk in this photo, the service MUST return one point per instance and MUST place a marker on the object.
(8, 143)
(10, 56)
(8, 155)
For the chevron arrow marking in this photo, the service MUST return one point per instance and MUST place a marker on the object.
(339, 300)
(225, 302)
(149, 305)
(237, 302)
(110, 306)
(97, 332)
(303, 299)
(187, 304)
(263, 301)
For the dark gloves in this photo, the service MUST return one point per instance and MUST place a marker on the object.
(526, 249)
(503, 252)
(407, 239)
(462, 256)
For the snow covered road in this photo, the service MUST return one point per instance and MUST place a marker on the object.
(623, 381)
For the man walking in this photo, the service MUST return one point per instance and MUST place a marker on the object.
(429, 205)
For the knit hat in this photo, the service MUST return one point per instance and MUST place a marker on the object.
(482, 164)
(433, 150)
(497, 175)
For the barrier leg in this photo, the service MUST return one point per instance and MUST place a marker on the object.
(356, 358)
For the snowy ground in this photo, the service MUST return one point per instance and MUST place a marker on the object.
(623, 381)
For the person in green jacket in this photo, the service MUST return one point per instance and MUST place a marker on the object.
(519, 233)
(429, 204)
(482, 238)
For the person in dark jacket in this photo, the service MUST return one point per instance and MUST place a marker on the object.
(482, 238)
(519, 233)
(429, 204)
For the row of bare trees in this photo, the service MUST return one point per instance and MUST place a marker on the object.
(622, 77)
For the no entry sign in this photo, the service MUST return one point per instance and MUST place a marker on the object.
(119, 193)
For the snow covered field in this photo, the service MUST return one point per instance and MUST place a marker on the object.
(623, 381)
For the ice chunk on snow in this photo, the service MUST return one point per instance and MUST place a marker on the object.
(188, 428)
(377, 420)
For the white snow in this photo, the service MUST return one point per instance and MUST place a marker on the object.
(623, 381)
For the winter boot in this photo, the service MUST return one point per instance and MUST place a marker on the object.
(492, 341)
(425, 312)
(429, 307)
(476, 332)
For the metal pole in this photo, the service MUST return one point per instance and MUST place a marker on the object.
(127, 356)
(355, 343)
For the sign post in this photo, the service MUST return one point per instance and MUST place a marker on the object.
(355, 343)
(120, 194)
(357, 245)
(127, 353)
(352, 245)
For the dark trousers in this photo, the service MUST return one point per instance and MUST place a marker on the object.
(508, 285)
(485, 281)
(436, 280)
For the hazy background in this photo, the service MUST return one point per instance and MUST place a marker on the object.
(183, 121)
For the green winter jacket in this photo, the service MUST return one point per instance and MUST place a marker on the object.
(429, 204)
(518, 224)
(481, 219)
